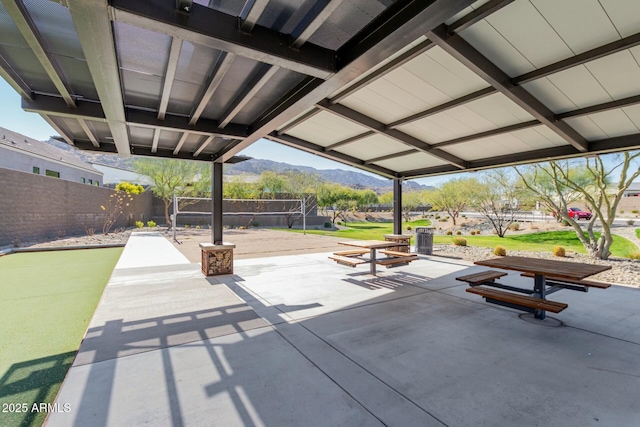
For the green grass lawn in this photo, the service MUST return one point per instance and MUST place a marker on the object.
(536, 242)
(365, 230)
(47, 300)
(542, 242)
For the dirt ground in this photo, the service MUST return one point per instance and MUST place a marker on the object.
(255, 243)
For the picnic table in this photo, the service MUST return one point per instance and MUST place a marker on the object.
(372, 246)
(556, 274)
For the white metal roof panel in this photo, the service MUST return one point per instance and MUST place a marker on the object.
(580, 86)
(623, 14)
(325, 129)
(619, 74)
(372, 147)
(464, 12)
(607, 124)
(411, 162)
(549, 94)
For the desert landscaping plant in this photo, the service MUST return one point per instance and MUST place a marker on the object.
(139, 224)
(500, 251)
(460, 241)
(151, 224)
(559, 251)
(114, 207)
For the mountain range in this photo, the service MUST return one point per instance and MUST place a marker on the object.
(255, 167)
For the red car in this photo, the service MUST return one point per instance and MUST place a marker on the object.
(576, 213)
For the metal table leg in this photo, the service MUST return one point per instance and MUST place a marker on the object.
(372, 258)
(539, 289)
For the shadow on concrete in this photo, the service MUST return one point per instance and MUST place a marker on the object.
(388, 282)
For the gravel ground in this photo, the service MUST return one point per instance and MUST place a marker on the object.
(264, 242)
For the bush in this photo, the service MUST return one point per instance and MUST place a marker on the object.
(327, 224)
(449, 233)
(635, 211)
(255, 224)
(500, 251)
(408, 228)
(460, 241)
(197, 227)
(139, 224)
(130, 188)
(514, 226)
(634, 255)
(477, 231)
(558, 251)
(630, 222)
(90, 231)
(472, 232)
(458, 232)
(621, 211)
(151, 224)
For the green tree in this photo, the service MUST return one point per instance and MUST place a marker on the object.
(175, 177)
(598, 184)
(453, 196)
(497, 198)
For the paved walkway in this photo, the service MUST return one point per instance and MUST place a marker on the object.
(298, 340)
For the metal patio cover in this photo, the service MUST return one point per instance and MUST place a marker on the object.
(400, 88)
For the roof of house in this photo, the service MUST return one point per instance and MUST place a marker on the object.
(21, 142)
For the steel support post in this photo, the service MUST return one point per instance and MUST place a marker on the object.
(216, 203)
(397, 206)
(539, 289)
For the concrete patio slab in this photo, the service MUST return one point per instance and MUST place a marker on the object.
(146, 249)
(300, 340)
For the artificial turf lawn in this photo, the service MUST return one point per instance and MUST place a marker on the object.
(46, 302)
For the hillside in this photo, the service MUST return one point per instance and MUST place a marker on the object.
(257, 166)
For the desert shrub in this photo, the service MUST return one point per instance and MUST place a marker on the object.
(477, 231)
(558, 251)
(16, 242)
(449, 233)
(139, 224)
(90, 231)
(500, 251)
(61, 234)
(113, 208)
(129, 188)
(255, 224)
(408, 228)
(630, 222)
(460, 241)
(458, 232)
(472, 232)
(634, 255)
(197, 227)
(437, 216)
(187, 226)
(534, 227)
(151, 223)
(327, 224)
(621, 211)
(514, 227)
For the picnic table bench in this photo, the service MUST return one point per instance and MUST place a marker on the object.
(355, 257)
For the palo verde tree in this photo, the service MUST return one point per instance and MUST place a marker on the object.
(453, 196)
(600, 184)
(171, 177)
(497, 198)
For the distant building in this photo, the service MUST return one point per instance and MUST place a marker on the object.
(113, 175)
(21, 153)
(632, 190)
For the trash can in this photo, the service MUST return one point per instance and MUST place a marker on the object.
(424, 240)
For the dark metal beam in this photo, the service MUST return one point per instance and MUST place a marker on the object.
(220, 68)
(319, 12)
(478, 15)
(378, 127)
(385, 35)
(444, 107)
(250, 89)
(169, 75)
(15, 81)
(407, 56)
(590, 55)
(488, 133)
(606, 106)
(318, 150)
(263, 44)
(390, 156)
(91, 22)
(457, 47)
(350, 140)
(136, 150)
(251, 12)
(53, 106)
(32, 36)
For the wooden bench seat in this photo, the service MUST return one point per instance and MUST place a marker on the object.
(522, 300)
(355, 252)
(481, 277)
(389, 262)
(587, 283)
(351, 262)
(396, 253)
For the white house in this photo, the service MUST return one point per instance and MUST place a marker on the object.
(114, 175)
(19, 152)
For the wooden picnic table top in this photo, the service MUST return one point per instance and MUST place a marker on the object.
(546, 267)
(372, 244)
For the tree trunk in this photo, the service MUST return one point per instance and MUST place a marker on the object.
(167, 203)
